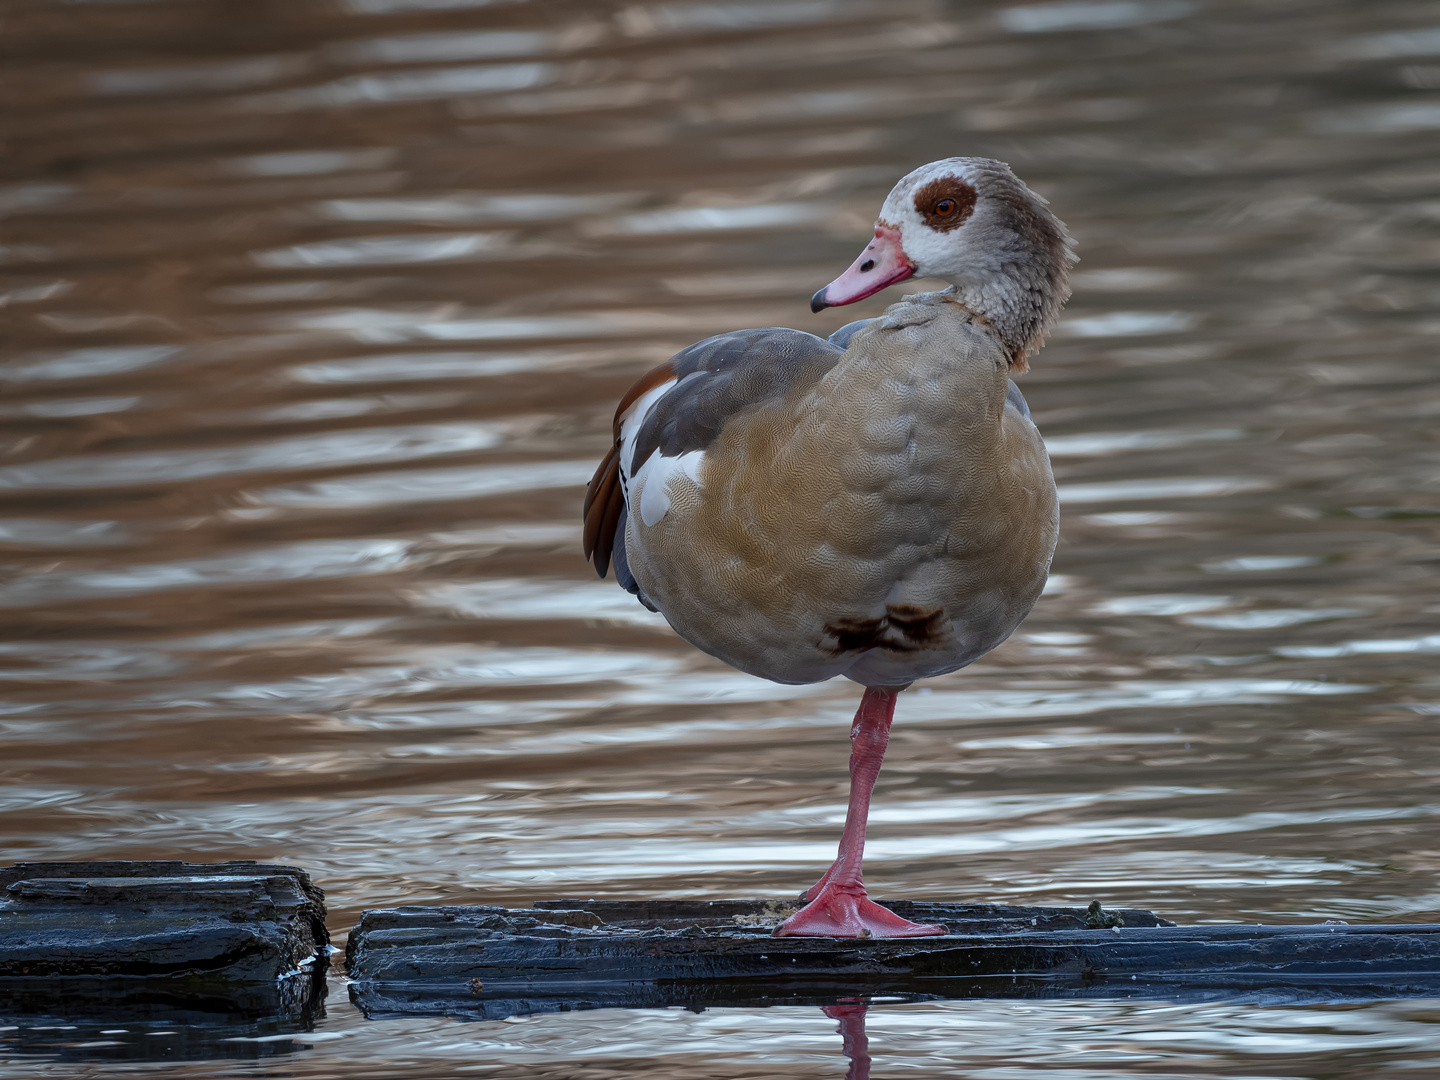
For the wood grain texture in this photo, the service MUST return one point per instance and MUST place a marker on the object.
(492, 962)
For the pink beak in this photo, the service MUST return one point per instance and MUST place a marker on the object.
(882, 263)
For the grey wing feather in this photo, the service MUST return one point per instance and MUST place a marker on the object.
(716, 379)
(842, 336)
(722, 376)
(623, 577)
(1014, 397)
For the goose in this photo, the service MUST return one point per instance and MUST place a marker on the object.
(877, 504)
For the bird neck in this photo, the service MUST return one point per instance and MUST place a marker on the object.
(1019, 303)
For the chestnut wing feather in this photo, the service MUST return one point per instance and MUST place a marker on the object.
(603, 490)
(605, 494)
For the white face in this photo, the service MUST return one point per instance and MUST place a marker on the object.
(971, 222)
(948, 226)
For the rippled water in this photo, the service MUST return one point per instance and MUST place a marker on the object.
(314, 319)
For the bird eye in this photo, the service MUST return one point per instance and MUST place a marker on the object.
(946, 203)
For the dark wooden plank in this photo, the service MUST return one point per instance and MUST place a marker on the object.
(959, 918)
(577, 954)
(230, 938)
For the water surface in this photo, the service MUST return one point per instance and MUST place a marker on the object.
(314, 321)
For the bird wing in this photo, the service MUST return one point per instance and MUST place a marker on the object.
(605, 495)
(1017, 399)
(680, 408)
(842, 336)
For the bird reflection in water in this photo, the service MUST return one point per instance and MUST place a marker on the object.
(850, 1012)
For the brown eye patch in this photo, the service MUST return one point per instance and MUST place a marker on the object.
(945, 203)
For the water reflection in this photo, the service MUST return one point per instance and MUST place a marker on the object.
(382, 88)
(1085, 15)
(387, 250)
(314, 333)
(427, 485)
(854, 1045)
(465, 206)
(87, 363)
(310, 162)
(477, 45)
(1087, 1038)
(300, 452)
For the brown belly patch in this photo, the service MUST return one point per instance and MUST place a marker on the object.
(904, 628)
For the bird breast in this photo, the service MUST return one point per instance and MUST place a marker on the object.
(890, 520)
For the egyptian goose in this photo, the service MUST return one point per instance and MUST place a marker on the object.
(876, 505)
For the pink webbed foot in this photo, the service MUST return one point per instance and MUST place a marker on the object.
(848, 912)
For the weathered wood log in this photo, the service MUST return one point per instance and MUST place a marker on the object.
(233, 938)
(491, 962)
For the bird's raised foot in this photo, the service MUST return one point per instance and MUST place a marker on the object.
(840, 912)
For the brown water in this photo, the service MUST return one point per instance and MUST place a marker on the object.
(315, 314)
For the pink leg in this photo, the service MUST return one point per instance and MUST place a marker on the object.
(838, 905)
(815, 889)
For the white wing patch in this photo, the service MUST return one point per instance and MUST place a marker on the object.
(633, 422)
(654, 479)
